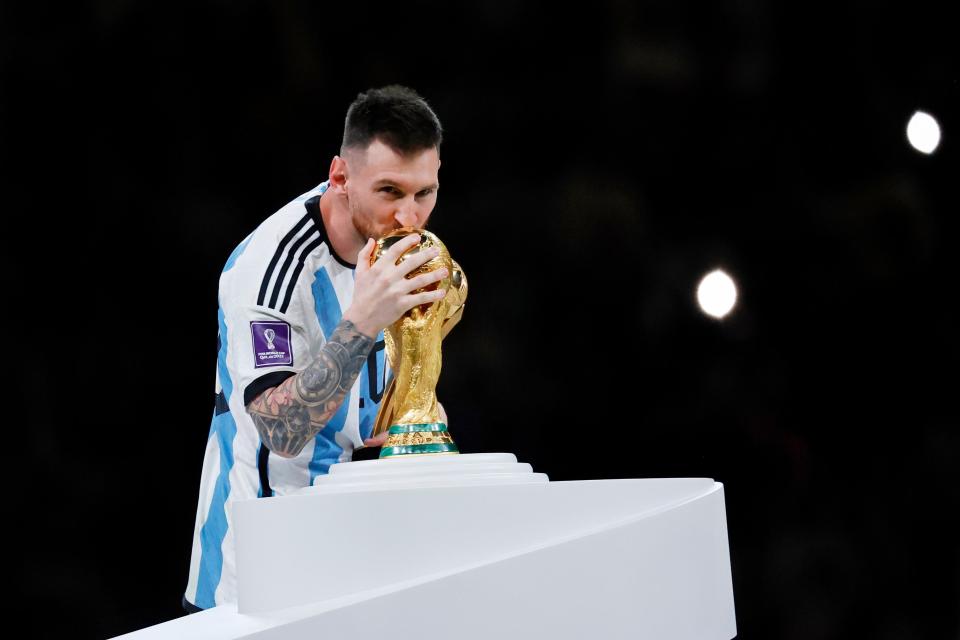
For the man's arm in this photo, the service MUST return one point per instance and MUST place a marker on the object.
(290, 414)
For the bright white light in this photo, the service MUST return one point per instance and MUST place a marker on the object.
(717, 294)
(923, 132)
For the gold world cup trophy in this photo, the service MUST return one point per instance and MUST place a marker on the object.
(409, 407)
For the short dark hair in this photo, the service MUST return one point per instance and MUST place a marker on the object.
(396, 116)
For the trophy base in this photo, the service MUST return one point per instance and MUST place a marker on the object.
(427, 438)
(420, 450)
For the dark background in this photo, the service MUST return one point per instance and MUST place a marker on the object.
(598, 161)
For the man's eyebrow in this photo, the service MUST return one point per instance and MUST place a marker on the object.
(387, 181)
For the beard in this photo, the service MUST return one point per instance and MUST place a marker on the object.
(365, 225)
(362, 223)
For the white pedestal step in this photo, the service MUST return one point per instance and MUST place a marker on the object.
(414, 472)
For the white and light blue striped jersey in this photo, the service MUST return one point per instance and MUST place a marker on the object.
(282, 293)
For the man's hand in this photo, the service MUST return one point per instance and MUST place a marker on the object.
(382, 292)
(378, 440)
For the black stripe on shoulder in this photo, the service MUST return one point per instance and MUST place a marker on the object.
(263, 468)
(264, 382)
(296, 273)
(313, 208)
(278, 285)
(276, 256)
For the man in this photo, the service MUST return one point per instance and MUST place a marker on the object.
(300, 367)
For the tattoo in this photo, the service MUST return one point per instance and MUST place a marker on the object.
(292, 413)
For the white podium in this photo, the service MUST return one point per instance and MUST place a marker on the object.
(476, 546)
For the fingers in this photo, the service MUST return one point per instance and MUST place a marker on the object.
(400, 247)
(412, 262)
(377, 441)
(443, 414)
(425, 279)
(426, 297)
(363, 258)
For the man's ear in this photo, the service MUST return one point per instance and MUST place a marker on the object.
(338, 175)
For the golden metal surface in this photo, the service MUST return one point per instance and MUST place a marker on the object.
(413, 343)
(418, 437)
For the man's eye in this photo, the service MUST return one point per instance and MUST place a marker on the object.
(425, 193)
(390, 190)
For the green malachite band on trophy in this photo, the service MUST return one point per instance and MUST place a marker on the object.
(423, 426)
(419, 448)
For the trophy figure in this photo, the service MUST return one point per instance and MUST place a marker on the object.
(409, 407)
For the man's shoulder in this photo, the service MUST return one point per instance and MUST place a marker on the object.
(278, 231)
(262, 264)
(289, 220)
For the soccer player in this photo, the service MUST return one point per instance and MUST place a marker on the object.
(300, 367)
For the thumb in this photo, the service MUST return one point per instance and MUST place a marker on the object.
(377, 441)
(363, 258)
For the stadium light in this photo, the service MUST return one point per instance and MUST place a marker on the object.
(923, 132)
(717, 294)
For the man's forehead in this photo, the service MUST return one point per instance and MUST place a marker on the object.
(384, 156)
(405, 179)
(384, 165)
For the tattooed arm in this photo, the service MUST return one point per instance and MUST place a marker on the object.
(288, 416)
(292, 413)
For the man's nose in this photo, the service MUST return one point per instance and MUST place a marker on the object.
(407, 216)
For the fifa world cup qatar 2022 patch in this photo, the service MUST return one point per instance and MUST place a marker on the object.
(271, 344)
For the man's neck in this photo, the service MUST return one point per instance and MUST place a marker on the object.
(343, 236)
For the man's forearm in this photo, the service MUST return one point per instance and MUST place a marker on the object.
(292, 413)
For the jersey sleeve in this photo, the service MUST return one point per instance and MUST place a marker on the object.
(269, 348)
(267, 344)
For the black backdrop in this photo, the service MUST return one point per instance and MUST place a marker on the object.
(598, 161)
